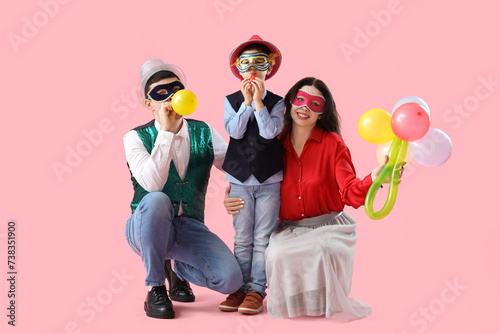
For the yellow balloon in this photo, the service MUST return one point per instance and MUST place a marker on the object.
(383, 150)
(375, 126)
(184, 102)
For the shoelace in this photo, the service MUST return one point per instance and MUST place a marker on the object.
(160, 294)
(182, 287)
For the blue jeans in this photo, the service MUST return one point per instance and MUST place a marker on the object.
(200, 256)
(253, 225)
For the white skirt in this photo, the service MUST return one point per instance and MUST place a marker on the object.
(309, 268)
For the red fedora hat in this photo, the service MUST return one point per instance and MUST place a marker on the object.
(255, 39)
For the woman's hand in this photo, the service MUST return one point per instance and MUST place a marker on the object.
(378, 169)
(232, 204)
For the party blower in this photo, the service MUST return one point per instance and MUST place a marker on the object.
(409, 130)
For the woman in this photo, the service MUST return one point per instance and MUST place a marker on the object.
(310, 255)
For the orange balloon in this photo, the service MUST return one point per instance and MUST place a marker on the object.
(383, 149)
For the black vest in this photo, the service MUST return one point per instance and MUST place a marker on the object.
(253, 154)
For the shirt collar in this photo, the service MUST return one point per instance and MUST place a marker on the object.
(316, 134)
(287, 144)
(183, 132)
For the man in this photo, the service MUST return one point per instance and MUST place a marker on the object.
(170, 160)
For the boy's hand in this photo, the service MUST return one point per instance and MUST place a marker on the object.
(246, 90)
(165, 116)
(259, 89)
(232, 204)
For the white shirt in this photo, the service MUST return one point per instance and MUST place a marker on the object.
(151, 170)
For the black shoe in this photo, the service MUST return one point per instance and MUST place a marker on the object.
(178, 290)
(157, 304)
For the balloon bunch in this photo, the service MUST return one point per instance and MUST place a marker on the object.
(184, 102)
(407, 129)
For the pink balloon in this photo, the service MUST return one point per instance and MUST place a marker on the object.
(410, 121)
(433, 150)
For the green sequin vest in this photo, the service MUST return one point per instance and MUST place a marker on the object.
(192, 190)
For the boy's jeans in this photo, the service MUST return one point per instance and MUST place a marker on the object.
(253, 225)
(200, 256)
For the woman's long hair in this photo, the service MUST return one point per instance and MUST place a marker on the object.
(329, 120)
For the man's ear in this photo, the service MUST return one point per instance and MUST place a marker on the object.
(147, 103)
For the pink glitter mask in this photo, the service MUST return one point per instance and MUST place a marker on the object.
(315, 103)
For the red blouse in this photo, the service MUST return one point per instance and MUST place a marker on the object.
(322, 180)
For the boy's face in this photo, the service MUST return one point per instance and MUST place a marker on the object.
(160, 88)
(248, 59)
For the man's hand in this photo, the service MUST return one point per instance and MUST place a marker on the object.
(166, 117)
(232, 204)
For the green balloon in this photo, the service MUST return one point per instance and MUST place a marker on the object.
(396, 154)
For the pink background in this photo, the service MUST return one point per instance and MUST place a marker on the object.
(76, 69)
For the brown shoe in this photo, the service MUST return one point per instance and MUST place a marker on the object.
(252, 304)
(232, 302)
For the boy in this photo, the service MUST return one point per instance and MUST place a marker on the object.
(170, 160)
(253, 117)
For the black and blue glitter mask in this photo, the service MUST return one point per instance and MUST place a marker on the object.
(161, 93)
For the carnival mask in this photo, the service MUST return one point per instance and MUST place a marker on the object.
(161, 93)
(315, 103)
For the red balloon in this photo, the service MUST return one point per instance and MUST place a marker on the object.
(410, 122)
